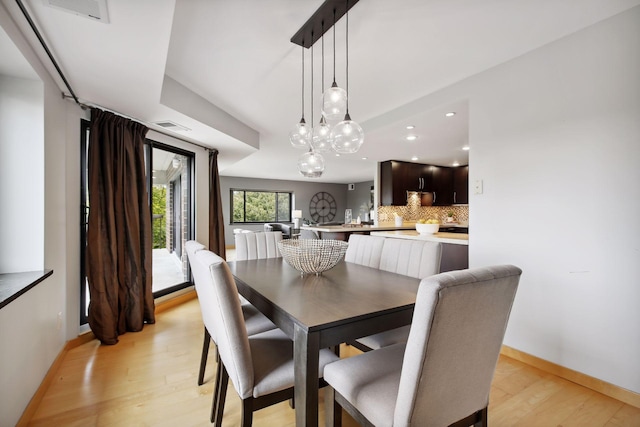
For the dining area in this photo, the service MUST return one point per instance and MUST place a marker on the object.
(383, 296)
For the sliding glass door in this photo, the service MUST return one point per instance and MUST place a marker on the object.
(170, 173)
(172, 210)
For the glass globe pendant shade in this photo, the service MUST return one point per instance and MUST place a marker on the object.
(311, 164)
(321, 140)
(300, 135)
(347, 136)
(334, 102)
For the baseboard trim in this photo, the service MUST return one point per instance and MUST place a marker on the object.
(84, 338)
(622, 394)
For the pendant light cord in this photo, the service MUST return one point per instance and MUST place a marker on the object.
(347, 48)
(334, 45)
(312, 82)
(303, 81)
(322, 57)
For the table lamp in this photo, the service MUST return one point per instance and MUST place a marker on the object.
(297, 214)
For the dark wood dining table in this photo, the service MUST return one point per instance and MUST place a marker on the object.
(347, 302)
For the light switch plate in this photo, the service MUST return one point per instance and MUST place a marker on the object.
(477, 186)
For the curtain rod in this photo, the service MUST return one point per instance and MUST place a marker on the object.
(35, 30)
(46, 48)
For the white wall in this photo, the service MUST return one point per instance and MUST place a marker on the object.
(29, 324)
(21, 175)
(555, 137)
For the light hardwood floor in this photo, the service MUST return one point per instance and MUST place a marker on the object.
(149, 379)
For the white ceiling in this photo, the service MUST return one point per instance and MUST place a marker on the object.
(227, 70)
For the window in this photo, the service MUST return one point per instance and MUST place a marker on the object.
(251, 206)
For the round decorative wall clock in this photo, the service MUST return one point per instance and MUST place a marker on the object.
(322, 207)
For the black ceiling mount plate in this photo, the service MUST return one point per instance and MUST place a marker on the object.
(321, 20)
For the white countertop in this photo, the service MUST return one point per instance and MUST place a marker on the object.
(452, 238)
(355, 229)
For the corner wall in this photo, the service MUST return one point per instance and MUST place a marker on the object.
(555, 138)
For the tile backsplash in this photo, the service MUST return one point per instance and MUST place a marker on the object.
(413, 212)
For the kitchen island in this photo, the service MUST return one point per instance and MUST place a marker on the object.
(452, 238)
(343, 231)
(455, 246)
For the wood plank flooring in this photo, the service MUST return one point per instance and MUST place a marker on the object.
(150, 379)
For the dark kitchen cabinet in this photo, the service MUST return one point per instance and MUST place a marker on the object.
(436, 183)
(461, 185)
(441, 185)
(396, 178)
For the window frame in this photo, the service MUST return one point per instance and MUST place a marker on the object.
(245, 191)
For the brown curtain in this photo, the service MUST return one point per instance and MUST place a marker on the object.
(119, 228)
(216, 219)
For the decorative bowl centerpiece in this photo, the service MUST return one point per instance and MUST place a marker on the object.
(427, 228)
(312, 255)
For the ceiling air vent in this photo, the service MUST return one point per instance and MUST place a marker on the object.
(95, 10)
(169, 125)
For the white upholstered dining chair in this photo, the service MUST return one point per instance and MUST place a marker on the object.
(260, 366)
(259, 245)
(442, 375)
(255, 321)
(411, 258)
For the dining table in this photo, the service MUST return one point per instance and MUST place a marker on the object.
(339, 305)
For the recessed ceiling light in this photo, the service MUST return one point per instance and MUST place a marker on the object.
(364, 158)
(465, 148)
(412, 137)
(450, 114)
(414, 158)
(337, 154)
(455, 164)
(411, 127)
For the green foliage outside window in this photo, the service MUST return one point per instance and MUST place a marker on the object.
(158, 212)
(260, 206)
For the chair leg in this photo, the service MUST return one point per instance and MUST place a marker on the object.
(332, 409)
(216, 390)
(222, 396)
(205, 354)
(247, 412)
(483, 418)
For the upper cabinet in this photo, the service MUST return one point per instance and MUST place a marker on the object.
(461, 185)
(396, 178)
(441, 185)
(437, 183)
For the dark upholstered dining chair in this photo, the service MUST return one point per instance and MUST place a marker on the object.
(442, 375)
(279, 226)
(260, 366)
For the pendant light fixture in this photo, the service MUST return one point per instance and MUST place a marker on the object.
(347, 136)
(300, 135)
(321, 139)
(311, 164)
(334, 100)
